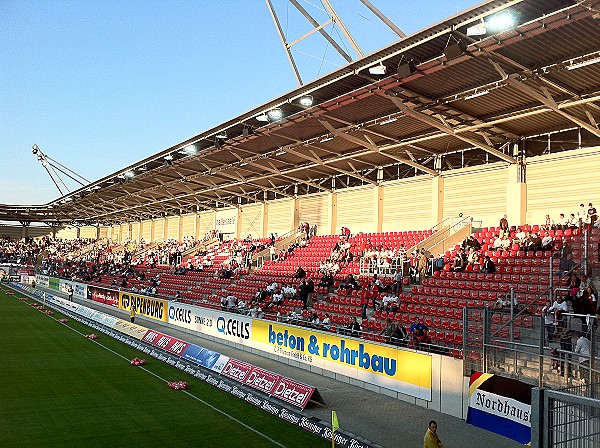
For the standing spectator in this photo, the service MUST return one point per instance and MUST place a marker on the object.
(559, 307)
(503, 226)
(70, 293)
(398, 277)
(422, 265)
(548, 316)
(592, 215)
(431, 439)
(584, 348)
(326, 322)
(132, 312)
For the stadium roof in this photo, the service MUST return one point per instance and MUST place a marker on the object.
(457, 91)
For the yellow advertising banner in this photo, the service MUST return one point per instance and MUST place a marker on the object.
(402, 370)
(136, 331)
(145, 306)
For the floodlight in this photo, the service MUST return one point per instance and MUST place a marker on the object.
(169, 157)
(500, 22)
(378, 69)
(306, 100)
(275, 114)
(129, 174)
(262, 117)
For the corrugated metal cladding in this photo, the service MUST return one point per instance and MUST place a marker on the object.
(159, 230)
(147, 231)
(68, 233)
(479, 192)
(314, 209)
(172, 228)
(188, 226)
(104, 232)
(355, 209)
(135, 230)
(558, 183)
(252, 221)
(280, 217)
(123, 232)
(87, 232)
(407, 205)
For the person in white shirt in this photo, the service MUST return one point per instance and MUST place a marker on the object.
(559, 307)
(326, 323)
(584, 348)
(547, 241)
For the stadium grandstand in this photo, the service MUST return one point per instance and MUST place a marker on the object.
(429, 208)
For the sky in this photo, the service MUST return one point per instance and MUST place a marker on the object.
(101, 84)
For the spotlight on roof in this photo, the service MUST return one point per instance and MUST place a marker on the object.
(378, 69)
(583, 63)
(169, 157)
(306, 100)
(188, 150)
(222, 135)
(129, 174)
(501, 22)
(35, 149)
(275, 114)
(262, 117)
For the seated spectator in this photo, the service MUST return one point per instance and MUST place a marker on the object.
(260, 295)
(459, 262)
(353, 328)
(389, 331)
(315, 322)
(326, 280)
(288, 291)
(547, 241)
(488, 266)
(256, 312)
(349, 284)
(419, 332)
(300, 273)
(389, 303)
(326, 322)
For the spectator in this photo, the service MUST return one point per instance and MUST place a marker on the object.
(503, 225)
(583, 347)
(353, 328)
(419, 332)
(559, 307)
(300, 273)
(389, 303)
(592, 215)
(389, 331)
(488, 266)
(431, 439)
(548, 316)
(398, 278)
(326, 323)
(326, 281)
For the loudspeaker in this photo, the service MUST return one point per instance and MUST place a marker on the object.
(454, 49)
(406, 69)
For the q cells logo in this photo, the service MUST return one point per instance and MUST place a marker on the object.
(233, 327)
(180, 314)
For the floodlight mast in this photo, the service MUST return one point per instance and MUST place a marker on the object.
(334, 19)
(52, 167)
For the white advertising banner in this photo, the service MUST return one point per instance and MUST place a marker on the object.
(229, 326)
(226, 221)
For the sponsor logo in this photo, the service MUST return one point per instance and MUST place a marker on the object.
(180, 314)
(233, 327)
(292, 392)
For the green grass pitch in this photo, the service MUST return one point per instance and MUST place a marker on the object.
(59, 388)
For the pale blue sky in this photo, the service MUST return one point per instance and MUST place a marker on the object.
(99, 85)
